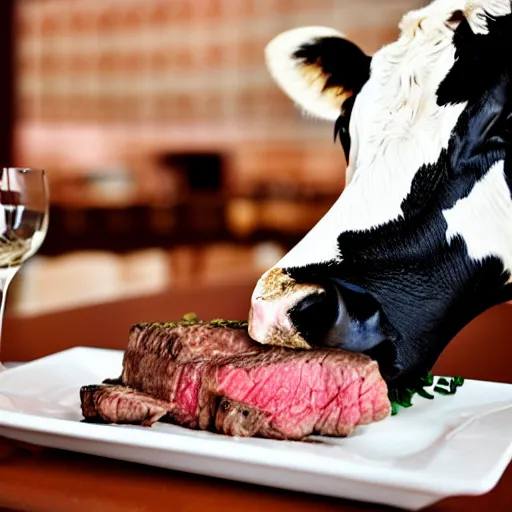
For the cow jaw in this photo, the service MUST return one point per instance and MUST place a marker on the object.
(274, 298)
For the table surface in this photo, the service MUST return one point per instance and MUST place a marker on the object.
(40, 480)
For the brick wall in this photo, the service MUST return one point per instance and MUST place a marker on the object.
(100, 78)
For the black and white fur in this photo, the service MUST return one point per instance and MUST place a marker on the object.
(420, 241)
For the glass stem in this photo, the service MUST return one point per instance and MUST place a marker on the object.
(6, 276)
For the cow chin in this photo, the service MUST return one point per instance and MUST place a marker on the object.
(303, 315)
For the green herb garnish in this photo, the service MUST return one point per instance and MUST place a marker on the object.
(425, 394)
(456, 382)
(190, 319)
(403, 397)
(442, 391)
(427, 381)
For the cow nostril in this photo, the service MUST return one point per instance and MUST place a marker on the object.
(314, 316)
(307, 304)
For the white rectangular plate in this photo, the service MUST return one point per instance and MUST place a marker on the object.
(454, 445)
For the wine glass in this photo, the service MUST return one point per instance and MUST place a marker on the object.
(24, 212)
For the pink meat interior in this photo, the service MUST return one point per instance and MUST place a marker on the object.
(307, 397)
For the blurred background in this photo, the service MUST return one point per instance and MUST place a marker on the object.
(173, 158)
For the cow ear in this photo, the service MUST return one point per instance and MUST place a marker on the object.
(318, 68)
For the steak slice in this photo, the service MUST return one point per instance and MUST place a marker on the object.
(304, 392)
(242, 420)
(118, 404)
(113, 403)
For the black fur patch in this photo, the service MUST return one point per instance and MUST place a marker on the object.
(342, 62)
(480, 60)
(341, 127)
(344, 65)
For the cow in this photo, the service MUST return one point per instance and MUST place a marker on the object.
(419, 243)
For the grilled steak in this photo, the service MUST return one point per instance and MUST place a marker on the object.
(212, 376)
(191, 339)
(119, 404)
(242, 420)
(152, 347)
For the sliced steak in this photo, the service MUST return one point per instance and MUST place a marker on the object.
(161, 349)
(119, 404)
(326, 392)
(214, 377)
(241, 420)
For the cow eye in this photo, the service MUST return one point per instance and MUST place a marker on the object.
(455, 19)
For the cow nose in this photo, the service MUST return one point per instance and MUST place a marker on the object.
(304, 315)
(274, 301)
(321, 319)
(269, 322)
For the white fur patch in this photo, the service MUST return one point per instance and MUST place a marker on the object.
(477, 13)
(484, 218)
(288, 76)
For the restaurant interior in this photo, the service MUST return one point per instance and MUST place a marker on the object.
(178, 174)
(178, 171)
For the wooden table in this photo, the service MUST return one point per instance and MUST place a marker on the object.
(52, 481)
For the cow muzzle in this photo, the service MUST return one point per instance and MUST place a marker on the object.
(303, 315)
(275, 297)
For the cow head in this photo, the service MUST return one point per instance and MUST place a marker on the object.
(420, 241)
